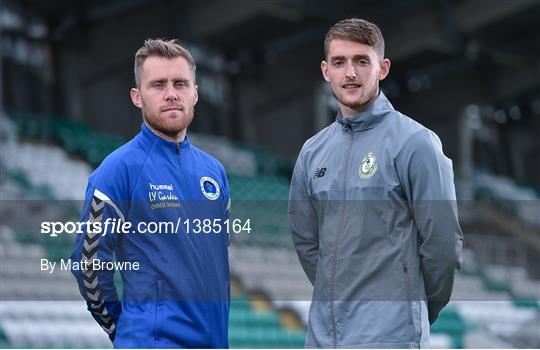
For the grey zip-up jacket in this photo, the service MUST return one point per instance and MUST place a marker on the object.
(374, 222)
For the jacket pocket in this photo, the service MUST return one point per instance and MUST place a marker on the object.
(157, 309)
(408, 291)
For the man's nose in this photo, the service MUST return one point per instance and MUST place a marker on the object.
(350, 73)
(171, 94)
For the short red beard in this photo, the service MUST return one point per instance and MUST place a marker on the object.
(171, 129)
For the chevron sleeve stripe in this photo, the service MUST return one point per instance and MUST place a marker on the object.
(90, 277)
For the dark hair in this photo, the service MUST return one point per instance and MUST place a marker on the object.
(161, 48)
(358, 30)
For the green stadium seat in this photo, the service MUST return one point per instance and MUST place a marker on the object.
(451, 323)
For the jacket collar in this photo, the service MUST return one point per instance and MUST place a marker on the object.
(369, 117)
(149, 138)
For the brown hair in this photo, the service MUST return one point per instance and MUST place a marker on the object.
(358, 30)
(161, 48)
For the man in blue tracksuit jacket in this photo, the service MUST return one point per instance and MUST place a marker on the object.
(175, 276)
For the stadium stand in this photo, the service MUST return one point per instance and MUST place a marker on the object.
(38, 311)
(31, 299)
(492, 306)
(517, 199)
(77, 139)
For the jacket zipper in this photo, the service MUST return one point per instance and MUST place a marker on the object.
(202, 257)
(408, 290)
(178, 151)
(336, 247)
(156, 312)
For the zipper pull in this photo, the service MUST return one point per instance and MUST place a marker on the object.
(178, 148)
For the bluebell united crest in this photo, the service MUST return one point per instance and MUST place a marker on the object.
(210, 188)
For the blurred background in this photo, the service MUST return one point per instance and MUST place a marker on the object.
(467, 69)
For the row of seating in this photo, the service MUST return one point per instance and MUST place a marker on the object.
(38, 312)
(47, 166)
(249, 328)
(78, 139)
(516, 199)
(523, 289)
(265, 338)
(277, 272)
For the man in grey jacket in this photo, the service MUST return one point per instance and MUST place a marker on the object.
(372, 209)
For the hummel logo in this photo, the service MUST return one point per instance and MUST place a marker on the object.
(319, 173)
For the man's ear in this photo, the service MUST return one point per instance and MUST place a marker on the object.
(196, 99)
(324, 70)
(385, 68)
(136, 97)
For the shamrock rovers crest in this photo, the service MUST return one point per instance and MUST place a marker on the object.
(368, 168)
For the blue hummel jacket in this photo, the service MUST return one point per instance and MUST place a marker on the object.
(179, 295)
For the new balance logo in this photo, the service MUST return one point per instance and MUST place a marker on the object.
(319, 173)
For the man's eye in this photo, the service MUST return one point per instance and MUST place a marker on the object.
(338, 63)
(362, 62)
(181, 84)
(157, 85)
